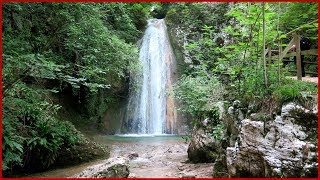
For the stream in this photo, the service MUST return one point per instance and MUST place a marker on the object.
(158, 156)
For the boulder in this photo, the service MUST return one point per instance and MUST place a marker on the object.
(111, 168)
(201, 147)
(283, 147)
(133, 155)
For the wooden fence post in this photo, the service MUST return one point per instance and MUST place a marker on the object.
(298, 56)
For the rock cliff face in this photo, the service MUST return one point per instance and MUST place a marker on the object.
(260, 144)
(283, 147)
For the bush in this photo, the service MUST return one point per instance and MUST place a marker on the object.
(199, 94)
(82, 50)
(293, 90)
(32, 137)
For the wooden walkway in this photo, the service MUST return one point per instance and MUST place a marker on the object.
(310, 79)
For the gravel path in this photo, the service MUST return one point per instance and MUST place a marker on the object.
(310, 79)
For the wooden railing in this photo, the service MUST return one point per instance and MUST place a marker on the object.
(297, 53)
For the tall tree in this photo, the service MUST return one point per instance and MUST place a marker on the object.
(264, 45)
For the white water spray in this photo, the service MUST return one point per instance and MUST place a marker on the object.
(147, 107)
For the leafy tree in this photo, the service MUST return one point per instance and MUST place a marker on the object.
(55, 50)
(233, 50)
(199, 94)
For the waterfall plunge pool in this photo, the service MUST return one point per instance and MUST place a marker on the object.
(146, 145)
(140, 138)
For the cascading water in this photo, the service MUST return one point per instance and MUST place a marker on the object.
(150, 110)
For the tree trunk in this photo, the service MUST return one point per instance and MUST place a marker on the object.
(264, 46)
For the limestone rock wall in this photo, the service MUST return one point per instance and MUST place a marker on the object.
(282, 147)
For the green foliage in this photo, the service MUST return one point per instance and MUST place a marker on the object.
(218, 131)
(252, 85)
(294, 15)
(201, 35)
(12, 145)
(81, 44)
(199, 93)
(204, 50)
(139, 13)
(30, 130)
(293, 90)
(228, 44)
(192, 16)
(160, 10)
(82, 50)
(241, 59)
(48, 138)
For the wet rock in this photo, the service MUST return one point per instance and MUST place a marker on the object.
(236, 111)
(285, 149)
(231, 156)
(253, 107)
(231, 110)
(180, 168)
(113, 167)
(117, 170)
(300, 115)
(133, 155)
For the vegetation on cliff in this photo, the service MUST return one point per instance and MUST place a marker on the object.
(60, 58)
(226, 41)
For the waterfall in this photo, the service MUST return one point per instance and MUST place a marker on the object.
(150, 110)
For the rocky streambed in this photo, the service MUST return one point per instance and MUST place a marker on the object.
(138, 157)
(147, 157)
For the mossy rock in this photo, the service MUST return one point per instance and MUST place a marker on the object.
(116, 171)
(309, 121)
(220, 167)
(306, 119)
(201, 155)
(264, 117)
(83, 152)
